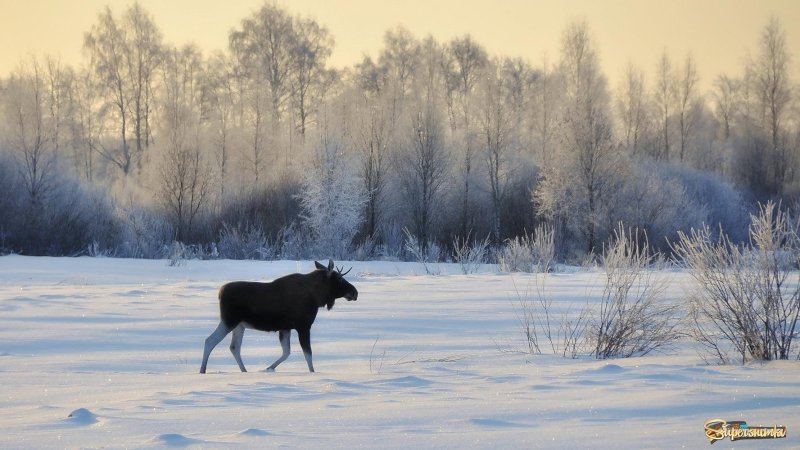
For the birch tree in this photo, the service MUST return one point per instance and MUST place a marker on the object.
(469, 60)
(632, 108)
(773, 88)
(124, 55)
(185, 181)
(495, 130)
(577, 187)
(688, 104)
(664, 97)
(29, 131)
(106, 47)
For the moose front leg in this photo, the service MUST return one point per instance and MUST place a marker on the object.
(304, 336)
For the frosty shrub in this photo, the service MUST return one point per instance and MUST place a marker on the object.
(722, 202)
(469, 255)
(654, 200)
(177, 253)
(544, 330)
(544, 249)
(65, 217)
(747, 298)
(145, 234)
(535, 253)
(364, 250)
(393, 244)
(248, 243)
(292, 243)
(633, 319)
(425, 255)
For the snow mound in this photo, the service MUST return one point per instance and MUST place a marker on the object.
(83, 417)
(610, 368)
(175, 440)
(407, 381)
(607, 369)
(253, 432)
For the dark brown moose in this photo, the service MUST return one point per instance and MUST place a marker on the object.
(285, 304)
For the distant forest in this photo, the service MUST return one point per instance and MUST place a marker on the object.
(263, 151)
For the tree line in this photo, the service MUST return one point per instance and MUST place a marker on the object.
(264, 150)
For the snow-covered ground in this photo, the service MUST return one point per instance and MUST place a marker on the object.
(105, 353)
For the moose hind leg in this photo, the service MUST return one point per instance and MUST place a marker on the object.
(284, 336)
(304, 336)
(211, 341)
(236, 345)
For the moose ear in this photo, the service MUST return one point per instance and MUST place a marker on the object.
(319, 266)
(330, 265)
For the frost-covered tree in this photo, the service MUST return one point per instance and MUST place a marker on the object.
(688, 105)
(398, 60)
(266, 42)
(144, 58)
(664, 98)
(219, 88)
(312, 48)
(495, 130)
(371, 139)
(632, 109)
(332, 200)
(725, 93)
(544, 112)
(106, 47)
(88, 125)
(773, 93)
(124, 56)
(578, 185)
(463, 62)
(422, 171)
(184, 174)
(28, 131)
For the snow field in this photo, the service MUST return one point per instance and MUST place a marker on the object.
(105, 353)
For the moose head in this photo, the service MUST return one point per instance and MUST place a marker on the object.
(339, 287)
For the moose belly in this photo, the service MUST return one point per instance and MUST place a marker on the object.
(268, 324)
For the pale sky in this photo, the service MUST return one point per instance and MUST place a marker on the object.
(719, 33)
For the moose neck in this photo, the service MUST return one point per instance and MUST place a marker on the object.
(326, 297)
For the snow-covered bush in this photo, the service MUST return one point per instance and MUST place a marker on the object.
(177, 254)
(544, 330)
(720, 203)
(248, 243)
(292, 243)
(66, 218)
(332, 200)
(145, 233)
(747, 298)
(469, 254)
(425, 255)
(634, 319)
(393, 244)
(529, 253)
(654, 200)
(517, 255)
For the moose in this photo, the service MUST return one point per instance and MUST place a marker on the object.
(287, 303)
